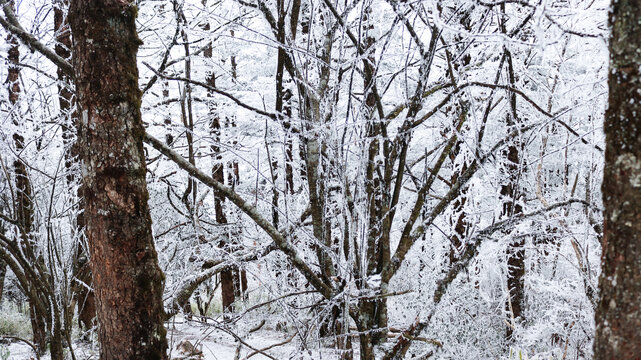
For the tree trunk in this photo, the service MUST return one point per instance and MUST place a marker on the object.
(218, 173)
(23, 201)
(3, 264)
(512, 207)
(377, 190)
(128, 282)
(618, 316)
(3, 232)
(82, 293)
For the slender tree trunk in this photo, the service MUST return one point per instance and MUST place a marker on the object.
(511, 207)
(218, 173)
(233, 178)
(127, 279)
(516, 249)
(287, 96)
(3, 232)
(3, 264)
(186, 103)
(378, 250)
(618, 316)
(23, 202)
(3, 273)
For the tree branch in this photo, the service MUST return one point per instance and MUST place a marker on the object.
(12, 25)
(191, 283)
(251, 211)
(213, 89)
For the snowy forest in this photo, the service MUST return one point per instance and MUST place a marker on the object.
(320, 179)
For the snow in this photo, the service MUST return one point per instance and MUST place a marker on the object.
(214, 343)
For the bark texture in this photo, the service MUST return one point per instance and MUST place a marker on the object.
(81, 287)
(618, 316)
(128, 282)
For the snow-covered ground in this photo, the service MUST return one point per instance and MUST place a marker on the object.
(211, 343)
(217, 344)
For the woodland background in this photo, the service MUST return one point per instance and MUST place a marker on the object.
(430, 167)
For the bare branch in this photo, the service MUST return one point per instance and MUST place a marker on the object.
(12, 25)
(251, 211)
(213, 89)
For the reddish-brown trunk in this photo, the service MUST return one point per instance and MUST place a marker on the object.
(232, 283)
(516, 249)
(127, 279)
(227, 275)
(618, 316)
(84, 296)
(3, 271)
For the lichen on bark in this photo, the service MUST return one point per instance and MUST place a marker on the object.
(127, 279)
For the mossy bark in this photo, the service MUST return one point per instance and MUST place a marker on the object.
(128, 282)
(618, 315)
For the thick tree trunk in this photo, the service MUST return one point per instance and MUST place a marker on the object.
(128, 282)
(618, 316)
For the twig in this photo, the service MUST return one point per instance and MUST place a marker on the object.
(12, 25)
(273, 300)
(257, 327)
(8, 219)
(8, 337)
(213, 89)
(283, 244)
(270, 347)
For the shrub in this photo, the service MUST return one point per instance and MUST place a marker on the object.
(14, 322)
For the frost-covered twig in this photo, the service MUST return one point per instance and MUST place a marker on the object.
(281, 241)
(12, 25)
(470, 252)
(261, 351)
(190, 283)
(213, 89)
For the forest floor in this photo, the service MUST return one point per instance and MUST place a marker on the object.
(210, 343)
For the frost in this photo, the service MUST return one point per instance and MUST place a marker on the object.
(468, 241)
(374, 281)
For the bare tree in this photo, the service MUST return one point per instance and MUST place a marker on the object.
(23, 197)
